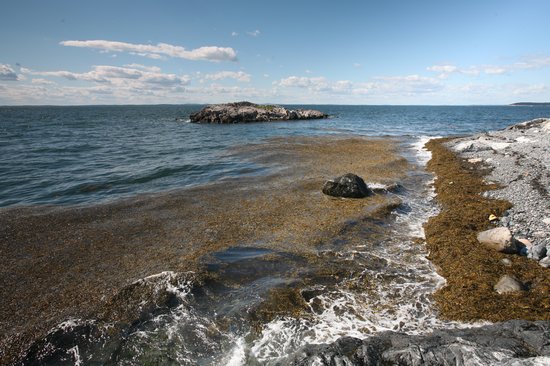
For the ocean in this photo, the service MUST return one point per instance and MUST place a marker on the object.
(131, 236)
(90, 154)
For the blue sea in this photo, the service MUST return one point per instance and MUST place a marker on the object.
(90, 154)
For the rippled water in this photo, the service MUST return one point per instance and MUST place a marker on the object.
(87, 154)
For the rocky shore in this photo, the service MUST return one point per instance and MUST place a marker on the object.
(512, 343)
(519, 161)
(243, 112)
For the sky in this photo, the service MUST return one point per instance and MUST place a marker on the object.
(290, 52)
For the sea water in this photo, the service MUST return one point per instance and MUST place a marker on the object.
(91, 154)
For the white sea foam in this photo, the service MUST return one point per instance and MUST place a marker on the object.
(421, 153)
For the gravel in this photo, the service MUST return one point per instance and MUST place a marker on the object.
(519, 157)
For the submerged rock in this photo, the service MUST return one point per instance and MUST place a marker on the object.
(250, 112)
(348, 185)
(499, 343)
(499, 239)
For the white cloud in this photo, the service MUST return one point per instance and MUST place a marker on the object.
(239, 76)
(527, 63)
(254, 33)
(494, 70)
(160, 50)
(357, 65)
(143, 67)
(7, 73)
(234, 34)
(386, 86)
(119, 76)
(40, 81)
(443, 68)
(317, 83)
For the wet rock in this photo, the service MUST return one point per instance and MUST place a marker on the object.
(250, 112)
(499, 343)
(508, 284)
(499, 239)
(348, 185)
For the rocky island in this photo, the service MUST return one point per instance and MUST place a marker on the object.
(242, 112)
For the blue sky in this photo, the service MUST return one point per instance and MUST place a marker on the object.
(345, 52)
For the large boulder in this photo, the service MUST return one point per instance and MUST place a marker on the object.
(250, 112)
(499, 239)
(348, 185)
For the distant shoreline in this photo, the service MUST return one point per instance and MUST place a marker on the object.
(530, 104)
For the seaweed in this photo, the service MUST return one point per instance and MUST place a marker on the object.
(470, 269)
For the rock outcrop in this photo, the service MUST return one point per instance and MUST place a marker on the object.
(348, 185)
(516, 342)
(242, 112)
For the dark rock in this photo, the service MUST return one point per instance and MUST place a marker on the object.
(487, 345)
(249, 112)
(348, 185)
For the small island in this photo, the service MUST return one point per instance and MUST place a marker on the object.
(242, 112)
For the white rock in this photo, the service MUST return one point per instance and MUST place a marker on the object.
(508, 284)
(463, 146)
(546, 220)
(499, 239)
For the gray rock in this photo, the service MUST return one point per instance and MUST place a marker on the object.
(348, 185)
(513, 341)
(545, 262)
(249, 112)
(508, 284)
(537, 251)
(499, 239)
